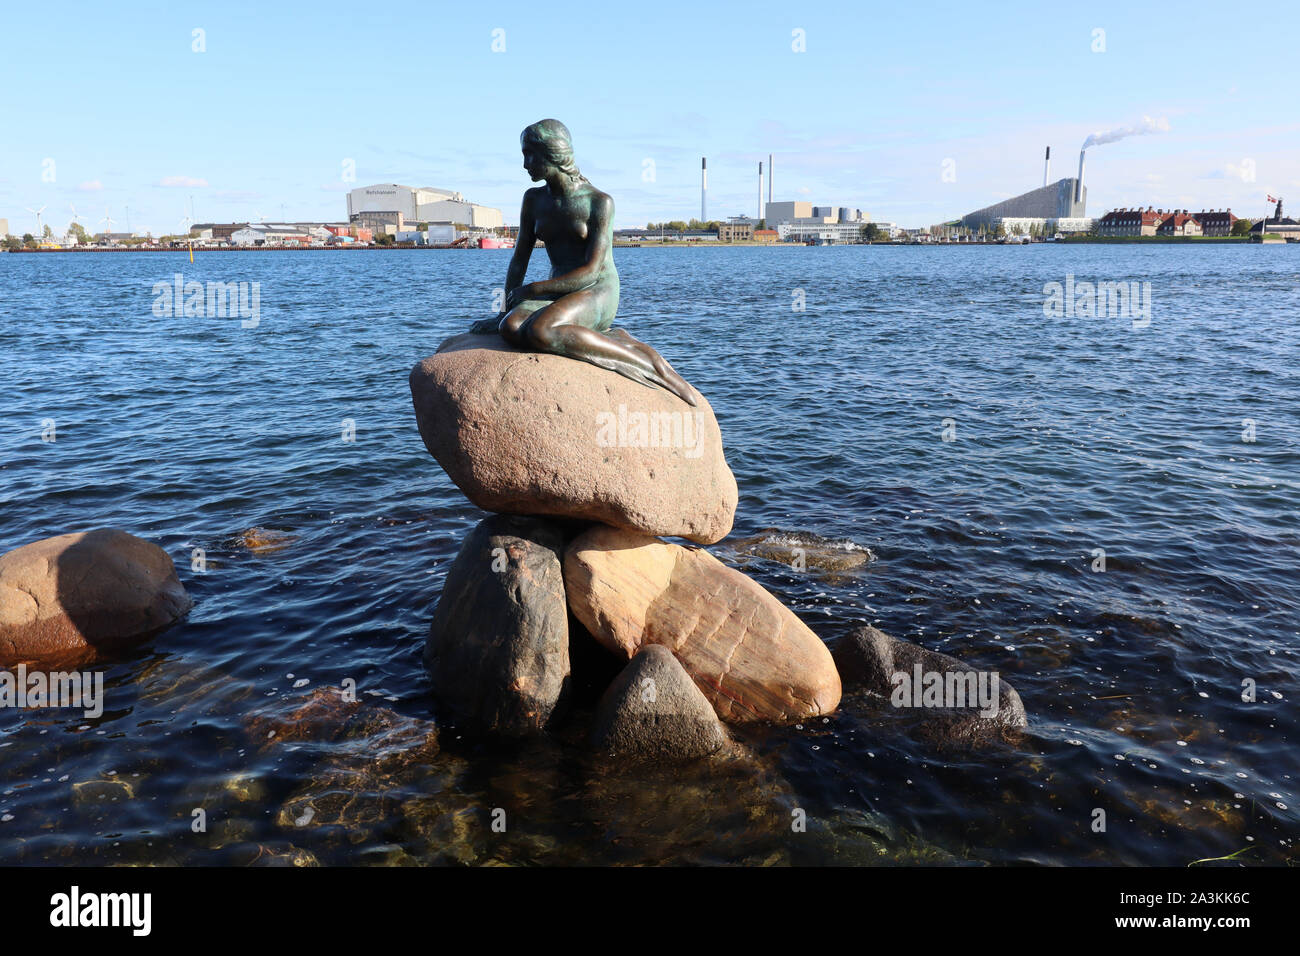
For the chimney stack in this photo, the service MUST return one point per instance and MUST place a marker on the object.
(704, 189)
(760, 189)
(1047, 165)
(1078, 186)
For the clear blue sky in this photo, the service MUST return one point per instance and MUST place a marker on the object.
(262, 122)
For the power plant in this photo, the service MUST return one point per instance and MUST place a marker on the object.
(1063, 199)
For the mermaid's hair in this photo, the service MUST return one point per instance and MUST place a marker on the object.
(556, 144)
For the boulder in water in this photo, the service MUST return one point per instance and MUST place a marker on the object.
(498, 648)
(534, 433)
(654, 711)
(80, 595)
(954, 703)
(749, 654)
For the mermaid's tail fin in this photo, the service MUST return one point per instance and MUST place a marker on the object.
(660, 374)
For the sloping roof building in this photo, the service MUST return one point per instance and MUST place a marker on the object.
(1130, 222)
(1179, 223)
(1216, 222)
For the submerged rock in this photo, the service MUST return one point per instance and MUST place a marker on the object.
(749, 654)
(803, 550)
(79, 595)
(941, 691)
(265, 540)
(734, 808)
(498, 647)
(541, 434)
(654, 711)
(371, 753)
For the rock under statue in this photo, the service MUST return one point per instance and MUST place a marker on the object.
(571, 312)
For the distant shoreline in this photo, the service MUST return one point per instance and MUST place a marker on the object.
(670, 244)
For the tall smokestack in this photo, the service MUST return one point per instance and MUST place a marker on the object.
(760, 189)
(1047, 166)
(770, 169)
(704, 189)
(1078, 185)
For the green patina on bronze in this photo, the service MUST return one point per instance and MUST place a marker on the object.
(572, 312)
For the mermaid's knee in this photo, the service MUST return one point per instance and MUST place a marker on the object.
(514, 326)
(540, 335)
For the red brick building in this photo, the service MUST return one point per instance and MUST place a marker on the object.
(1130, 222)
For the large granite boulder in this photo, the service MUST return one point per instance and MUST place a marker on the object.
(953, 702)
(498, 647)
(534, 433)
(749, 654)
(80, 595)
(654, 711)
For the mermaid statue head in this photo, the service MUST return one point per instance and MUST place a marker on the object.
(547, 142)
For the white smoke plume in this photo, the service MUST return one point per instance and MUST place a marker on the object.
(1148, 125)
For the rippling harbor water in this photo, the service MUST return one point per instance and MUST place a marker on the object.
(324, 557)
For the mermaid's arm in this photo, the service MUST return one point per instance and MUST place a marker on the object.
(517, 269)
(523, 245)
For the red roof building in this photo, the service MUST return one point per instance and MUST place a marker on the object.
(1130, 222)
(1179, 223)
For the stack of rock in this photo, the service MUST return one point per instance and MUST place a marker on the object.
(587, 471)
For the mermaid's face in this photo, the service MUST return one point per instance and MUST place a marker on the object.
(534, 162)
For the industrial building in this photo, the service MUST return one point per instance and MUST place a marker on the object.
(284, 234)
(803, 222)
(1064, 200)
(1029, 226)
(1054, 202)
(435, 234)
(391, 204)
(216, 231)
(4, 228)
(787, 211)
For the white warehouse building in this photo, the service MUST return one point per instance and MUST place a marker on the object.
(416, 204)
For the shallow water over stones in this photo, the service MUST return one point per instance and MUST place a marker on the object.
(1070, 436)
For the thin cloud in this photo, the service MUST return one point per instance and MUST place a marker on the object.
(186, 181)
(90, 186)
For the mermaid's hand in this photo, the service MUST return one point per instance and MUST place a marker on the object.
(486, 326)
(520, 293)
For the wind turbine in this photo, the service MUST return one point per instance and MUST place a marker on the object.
(74, 217)
(37, 212)
(108, 221)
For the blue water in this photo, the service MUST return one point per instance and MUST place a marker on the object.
(1071, 434)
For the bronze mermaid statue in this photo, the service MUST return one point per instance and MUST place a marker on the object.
(571, 313)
